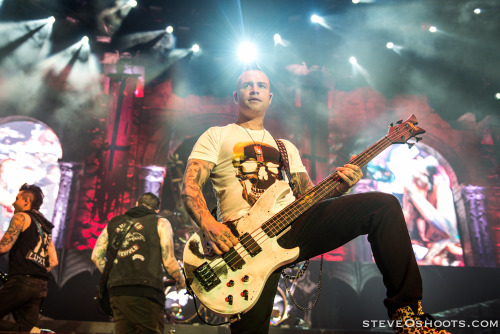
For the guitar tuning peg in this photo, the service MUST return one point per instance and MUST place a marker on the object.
(418, 139)
(399, 122)
(392, 124)
(416, 123)
(410, 145)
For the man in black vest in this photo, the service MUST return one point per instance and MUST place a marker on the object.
(135, 280)
(31, 256)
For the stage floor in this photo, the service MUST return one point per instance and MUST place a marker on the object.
(90, 327)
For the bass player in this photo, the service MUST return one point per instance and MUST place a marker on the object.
(243, 159)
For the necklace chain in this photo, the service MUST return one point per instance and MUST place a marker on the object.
(262, 141)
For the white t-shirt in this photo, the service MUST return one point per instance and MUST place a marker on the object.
(238, 177)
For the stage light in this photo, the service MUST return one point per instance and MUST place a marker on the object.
(277, 39)
(169, 29)
(477, 11)
(85, 40)
(432, 29)
(353, 60)
(497, 96)
(132, 3)
(247, 52)
(195, 48)
(322, 21)
(315, 19)
(51, 19)
(355, 1)
(389, 45)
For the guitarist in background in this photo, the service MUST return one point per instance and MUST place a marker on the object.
(243, 160)
(31, 256)
(136, 277)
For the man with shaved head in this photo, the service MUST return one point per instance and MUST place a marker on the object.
(243, 160)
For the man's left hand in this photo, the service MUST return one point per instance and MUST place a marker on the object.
(350, 174)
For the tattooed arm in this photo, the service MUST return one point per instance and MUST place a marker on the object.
(301, 183)
(350, 175)
(19, 222)
(195, 176)
(100, 249)
(167, 253)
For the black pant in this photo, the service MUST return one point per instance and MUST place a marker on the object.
(137, 315)
(334, 222)
(22, 296)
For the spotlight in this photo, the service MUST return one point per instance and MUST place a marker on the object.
(355, 1)
(85, 40)
(51, 19)
(320, 20)
(247, 52)
(195, 48)
(315, 19)
(477, 11)
(432, 29)
(389, 45)
(132, 3)
(169, 29)
(277, 39)
(497, 96)
(353, 60)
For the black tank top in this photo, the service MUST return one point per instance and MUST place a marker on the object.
(29, 254)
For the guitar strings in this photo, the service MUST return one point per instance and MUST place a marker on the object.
(360, 160)
(331, 177)
(261, 234)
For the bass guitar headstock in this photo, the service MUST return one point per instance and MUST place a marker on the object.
(403, 131)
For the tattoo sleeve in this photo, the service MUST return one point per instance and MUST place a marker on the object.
(15, 228)
(301, 183)
(196, 174)
(167, 249)
(100, 249)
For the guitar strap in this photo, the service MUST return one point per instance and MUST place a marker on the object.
(284, 162)
(114, 246)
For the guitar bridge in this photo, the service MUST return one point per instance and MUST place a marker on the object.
(206, 276)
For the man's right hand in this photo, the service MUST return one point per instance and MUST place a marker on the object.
(219, 235)
(180, 283)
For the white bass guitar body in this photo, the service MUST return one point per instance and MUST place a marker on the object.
(232, 283)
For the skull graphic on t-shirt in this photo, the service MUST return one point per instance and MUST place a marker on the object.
(255, 176)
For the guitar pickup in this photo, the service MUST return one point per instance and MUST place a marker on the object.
(233, 259)
(250, 244)
(206, 276)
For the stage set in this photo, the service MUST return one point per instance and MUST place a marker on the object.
(103, 100)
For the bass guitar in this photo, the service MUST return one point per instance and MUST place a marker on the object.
(231, 283)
